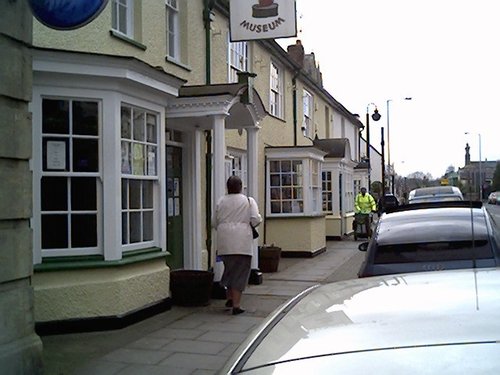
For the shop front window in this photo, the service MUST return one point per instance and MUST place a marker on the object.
(70, 185)
(139, 145)
(286, 186)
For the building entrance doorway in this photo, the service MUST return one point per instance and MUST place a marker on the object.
(175, 232)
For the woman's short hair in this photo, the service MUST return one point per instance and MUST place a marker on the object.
(234, 185)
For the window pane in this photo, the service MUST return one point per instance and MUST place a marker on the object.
(55, 116)
(54, 232)
(147, 195)
(54, 194)
(276, 207)
(126, 158)
(85, 155)
(83, 194)
(122, 17)
(138, 160)
(124, 228)
(286, 180)
(139, 118)
(85, 118)
(151, 167)
(83, 230)
(124, 194)
(275, 193)
(114, 21)
(287, 193)
(125, 122)
(275, 180)
(274, 166)
(135, 194)
(297, 193)
(151, 128)
(286, 166)
(148, 226)
(135, 227)
(287, 207)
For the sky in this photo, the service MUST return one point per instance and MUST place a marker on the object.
(444, 54)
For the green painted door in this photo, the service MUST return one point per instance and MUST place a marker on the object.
(174, 208)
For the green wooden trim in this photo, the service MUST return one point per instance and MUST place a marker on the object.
(97, 261)
(128, 40)
(320, 216)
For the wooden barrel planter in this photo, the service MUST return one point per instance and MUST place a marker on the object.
(269, 258)
(191, 287)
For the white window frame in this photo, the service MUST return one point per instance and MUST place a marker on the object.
(307, 111)
(327, 191)
(293, 182)
(236, 165)
(143, 171)
(237, 59)
(276, 90)
(349, 192)
(172, 28)
(68, 173)
(125, 8)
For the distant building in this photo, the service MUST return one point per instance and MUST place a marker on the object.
(475, 174)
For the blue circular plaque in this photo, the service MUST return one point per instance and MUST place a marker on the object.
(66, 14)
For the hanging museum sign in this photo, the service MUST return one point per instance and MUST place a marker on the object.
(262, 19)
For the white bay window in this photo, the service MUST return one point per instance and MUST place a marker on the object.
(294, 181)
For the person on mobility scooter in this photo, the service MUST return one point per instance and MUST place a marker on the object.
(364, 205)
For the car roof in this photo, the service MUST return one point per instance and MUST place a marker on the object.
(431, 223)
(419, 320)
(435, 192)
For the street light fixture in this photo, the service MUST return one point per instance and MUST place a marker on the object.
(480, 182)
(389, 141)
(375, 116)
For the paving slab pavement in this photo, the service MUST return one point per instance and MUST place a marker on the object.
(195, 340)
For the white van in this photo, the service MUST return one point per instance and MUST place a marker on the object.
(435, 194)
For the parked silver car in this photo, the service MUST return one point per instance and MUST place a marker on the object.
(422, 323)
(435, 194)
(430, 237)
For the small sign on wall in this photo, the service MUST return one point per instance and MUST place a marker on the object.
(262, 19)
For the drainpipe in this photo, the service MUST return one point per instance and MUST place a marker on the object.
(207, 18)
(294, 100)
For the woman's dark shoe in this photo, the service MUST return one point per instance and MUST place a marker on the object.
(237, 311)
(229, 303)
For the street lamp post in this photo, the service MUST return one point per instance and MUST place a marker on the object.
(375, 116)
(382, 144)
(480, 171)
(389, 139)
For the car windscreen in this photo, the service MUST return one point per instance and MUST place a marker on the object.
(433, 252)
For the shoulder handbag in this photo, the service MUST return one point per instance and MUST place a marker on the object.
(255, 234)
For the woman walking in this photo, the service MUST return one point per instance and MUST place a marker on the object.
(234, 215)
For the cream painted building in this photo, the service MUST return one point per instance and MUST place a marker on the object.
(139, 117)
